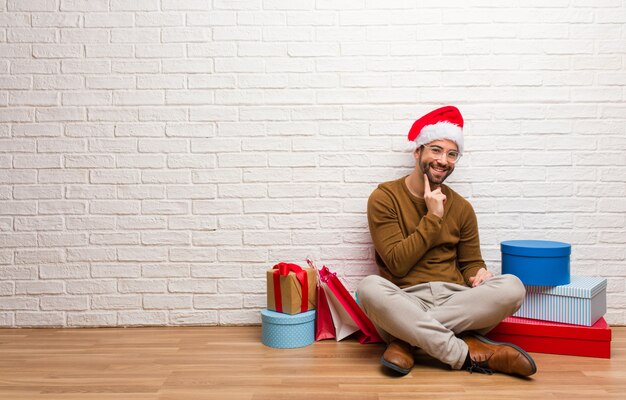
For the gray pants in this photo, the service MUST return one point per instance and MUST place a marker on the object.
(430, 315)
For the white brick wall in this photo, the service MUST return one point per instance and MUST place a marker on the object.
(156, 156)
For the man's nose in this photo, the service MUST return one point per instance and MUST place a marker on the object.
(443, 159)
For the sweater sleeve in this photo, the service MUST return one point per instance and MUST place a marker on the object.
(468, 250)
(399, 254)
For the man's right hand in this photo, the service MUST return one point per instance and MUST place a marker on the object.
(435, 199)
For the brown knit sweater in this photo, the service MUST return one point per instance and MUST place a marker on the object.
(414, 247)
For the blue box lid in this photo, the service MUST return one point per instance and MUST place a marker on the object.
(536, 248)
(584, 287)
(273, 317)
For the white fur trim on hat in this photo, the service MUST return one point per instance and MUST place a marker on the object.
(439, 131)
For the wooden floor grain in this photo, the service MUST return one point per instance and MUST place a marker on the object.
(231, 363)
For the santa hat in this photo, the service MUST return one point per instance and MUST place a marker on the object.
(442, 123)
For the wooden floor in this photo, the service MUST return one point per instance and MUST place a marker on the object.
(231, 363)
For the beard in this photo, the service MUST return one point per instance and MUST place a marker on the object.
(436, 173)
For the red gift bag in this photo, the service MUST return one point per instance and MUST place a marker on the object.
(366, 331)
(324, 328)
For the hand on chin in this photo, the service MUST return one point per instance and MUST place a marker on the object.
(436, 176)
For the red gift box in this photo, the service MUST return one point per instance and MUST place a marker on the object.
(555, 338)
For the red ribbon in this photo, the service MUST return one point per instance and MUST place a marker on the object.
(283, 269)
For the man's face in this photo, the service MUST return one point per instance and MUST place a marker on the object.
(436, 167)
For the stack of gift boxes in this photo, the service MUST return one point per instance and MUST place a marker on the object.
(289, 320)
(561, 314)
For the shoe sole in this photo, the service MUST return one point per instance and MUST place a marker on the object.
(394, 367)
(524, 353)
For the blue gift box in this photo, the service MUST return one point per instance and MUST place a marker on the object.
(537, 262)
(285, 331)
(581, 302)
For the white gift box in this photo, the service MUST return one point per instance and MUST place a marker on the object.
(581, 302)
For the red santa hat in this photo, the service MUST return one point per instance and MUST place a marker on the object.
(442, 123)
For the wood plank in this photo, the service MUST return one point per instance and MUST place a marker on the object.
(231, 363)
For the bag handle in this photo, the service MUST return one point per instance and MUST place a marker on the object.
(325, 274)
(283, 269)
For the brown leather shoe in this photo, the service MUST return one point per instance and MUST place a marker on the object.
(398, 357)
(488, 356)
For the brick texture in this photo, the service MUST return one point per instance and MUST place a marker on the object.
(156, 156)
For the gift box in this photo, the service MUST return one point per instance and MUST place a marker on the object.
(537, 262)
(291, 289)
(555, 338)
(285, 331)
(581, 302)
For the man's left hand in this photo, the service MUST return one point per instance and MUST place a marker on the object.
(481, 276)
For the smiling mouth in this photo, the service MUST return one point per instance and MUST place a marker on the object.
(438, 169)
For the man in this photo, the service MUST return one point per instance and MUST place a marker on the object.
(435, 292)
